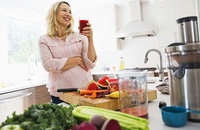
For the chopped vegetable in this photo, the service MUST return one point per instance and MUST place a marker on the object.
(89, 92)
(98, 121)
(86, 96)
(111, 124)
(84, 126)
(102, 94)
(88, 127)
(94, 95)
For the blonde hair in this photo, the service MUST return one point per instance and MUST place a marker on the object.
(52, 24)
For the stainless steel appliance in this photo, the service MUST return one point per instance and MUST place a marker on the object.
(184, 67)
(188, 29)
(184, 77)
(16, 101)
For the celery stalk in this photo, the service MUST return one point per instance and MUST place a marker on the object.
(126, 121)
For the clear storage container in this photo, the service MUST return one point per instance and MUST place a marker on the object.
(133, 93)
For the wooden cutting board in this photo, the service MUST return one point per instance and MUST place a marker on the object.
(107, 103)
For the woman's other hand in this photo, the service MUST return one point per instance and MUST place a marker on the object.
(82, 65)
(71, 62)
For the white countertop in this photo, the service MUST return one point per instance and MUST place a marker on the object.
(22, 85)
(109, 72)
(155, 118)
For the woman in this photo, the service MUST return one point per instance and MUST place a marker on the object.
(66, 55)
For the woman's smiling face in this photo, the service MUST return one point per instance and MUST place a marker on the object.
(64, 15)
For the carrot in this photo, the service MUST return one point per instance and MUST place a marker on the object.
(89, 92)
(94, 95)
(86, 96)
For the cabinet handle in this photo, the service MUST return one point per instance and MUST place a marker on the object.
(15, 97)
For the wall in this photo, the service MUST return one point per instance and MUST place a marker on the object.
(163, 16)
(133, 50)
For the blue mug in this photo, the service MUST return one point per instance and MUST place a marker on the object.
(175, 116)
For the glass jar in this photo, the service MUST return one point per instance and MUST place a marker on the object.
(133, 93)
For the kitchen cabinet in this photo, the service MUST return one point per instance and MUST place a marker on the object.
(167, 12)
(103, 20)
(22, 96)
(17, 101)
(42, 95)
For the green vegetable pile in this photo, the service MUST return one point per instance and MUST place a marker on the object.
(43, 117)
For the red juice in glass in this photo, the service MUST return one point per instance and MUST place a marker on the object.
(136, 111)
(82, 24)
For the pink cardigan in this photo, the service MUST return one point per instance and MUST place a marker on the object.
(54, 53)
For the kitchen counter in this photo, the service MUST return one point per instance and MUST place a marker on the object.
(22, 85)
(99, 74)
(155, 118)
(111, 72)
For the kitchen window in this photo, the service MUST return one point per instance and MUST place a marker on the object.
(22, 40)
(19, 52)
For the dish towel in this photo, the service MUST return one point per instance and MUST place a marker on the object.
(163, 87)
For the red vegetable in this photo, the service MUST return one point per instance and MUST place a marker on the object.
(111, 124)
(98, 121)
(88, 127)
(84, 126)
(102, 94)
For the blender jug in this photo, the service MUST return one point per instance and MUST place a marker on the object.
(133, 93)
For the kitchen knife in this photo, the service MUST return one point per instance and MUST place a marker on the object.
(67, 89)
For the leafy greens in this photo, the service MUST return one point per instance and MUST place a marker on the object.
(44, 117)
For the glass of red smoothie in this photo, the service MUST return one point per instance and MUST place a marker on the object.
(82, 23)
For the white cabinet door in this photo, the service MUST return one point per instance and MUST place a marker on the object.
(166, 15)
(165, 23)
(17, 101)
(108, 28)
(184, 8)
